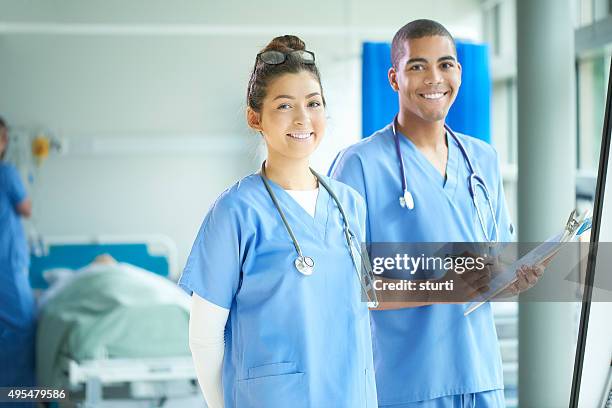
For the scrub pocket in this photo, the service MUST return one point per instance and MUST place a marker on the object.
(272, 385)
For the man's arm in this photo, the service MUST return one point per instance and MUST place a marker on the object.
(466, 286)
(17, 193)
(24, 208)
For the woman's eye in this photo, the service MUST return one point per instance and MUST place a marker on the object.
(314, 104)
(284, 106)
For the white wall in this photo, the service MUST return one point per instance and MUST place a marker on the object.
(171, 76)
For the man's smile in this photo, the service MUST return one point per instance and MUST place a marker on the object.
(433, 95)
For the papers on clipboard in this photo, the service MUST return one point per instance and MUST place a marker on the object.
(575, 226)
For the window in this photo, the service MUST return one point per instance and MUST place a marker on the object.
(591, 11)
(492, 28)
(592, 72)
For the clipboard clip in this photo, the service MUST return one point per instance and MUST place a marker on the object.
(574, 222)
(570, 226)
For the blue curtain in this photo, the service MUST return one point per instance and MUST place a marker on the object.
(470, 114)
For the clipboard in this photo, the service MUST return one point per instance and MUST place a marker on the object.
(575, 226)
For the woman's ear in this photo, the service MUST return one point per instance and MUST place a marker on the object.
(253, 119)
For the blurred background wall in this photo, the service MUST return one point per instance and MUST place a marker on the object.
(149, 97)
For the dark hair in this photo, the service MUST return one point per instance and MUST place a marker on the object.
(413, 30)
(264, 73)
(5, 127)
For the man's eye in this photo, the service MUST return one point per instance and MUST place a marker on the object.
(416, 68)
(447, 65)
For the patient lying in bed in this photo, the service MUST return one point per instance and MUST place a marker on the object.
(57, 278)
(108, 310)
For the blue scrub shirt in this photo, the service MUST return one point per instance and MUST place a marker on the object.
(431, 351)
(291, 340)
(17, 309)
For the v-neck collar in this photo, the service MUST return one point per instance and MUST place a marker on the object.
(295, 212)
(448, 184)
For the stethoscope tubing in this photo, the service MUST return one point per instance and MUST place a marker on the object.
(473, 176)
(296, 244)
(349, 235)
(450, 132)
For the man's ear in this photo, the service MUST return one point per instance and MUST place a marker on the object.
(392, 75)
(253, 119)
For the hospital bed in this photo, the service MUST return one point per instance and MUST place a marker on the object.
(98, 357)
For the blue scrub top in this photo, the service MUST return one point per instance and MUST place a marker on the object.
(14, 252)
(17, 309)
(430, 351)
(291, 340)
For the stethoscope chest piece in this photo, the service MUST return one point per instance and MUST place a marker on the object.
(304, 265)
(406, 200)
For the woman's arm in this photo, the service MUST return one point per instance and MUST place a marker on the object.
(206, 341)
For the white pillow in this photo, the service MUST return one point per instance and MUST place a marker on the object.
(56, 275)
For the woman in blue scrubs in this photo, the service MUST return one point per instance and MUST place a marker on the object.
(17, 312)
(272, 254)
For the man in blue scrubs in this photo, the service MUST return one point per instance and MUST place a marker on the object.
(17, 309)
(431, 355)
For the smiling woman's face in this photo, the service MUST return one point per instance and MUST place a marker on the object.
(427, 77)
(292, 117)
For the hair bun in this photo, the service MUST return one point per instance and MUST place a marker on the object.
(285, 43)
(266, 71)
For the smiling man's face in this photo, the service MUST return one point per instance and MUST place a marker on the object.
(427, 78)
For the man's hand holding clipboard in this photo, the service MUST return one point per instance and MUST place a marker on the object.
(524, 273)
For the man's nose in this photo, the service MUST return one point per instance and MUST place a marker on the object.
(434, 77)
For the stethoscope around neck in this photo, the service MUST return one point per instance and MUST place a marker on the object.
(305, 264)
(406, 200)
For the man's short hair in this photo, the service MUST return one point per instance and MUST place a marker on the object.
(413, 30)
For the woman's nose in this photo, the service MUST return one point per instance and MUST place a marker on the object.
(301, 117)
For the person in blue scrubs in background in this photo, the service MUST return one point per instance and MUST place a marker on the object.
(17, 308)
(430, 355)
(294, 335)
